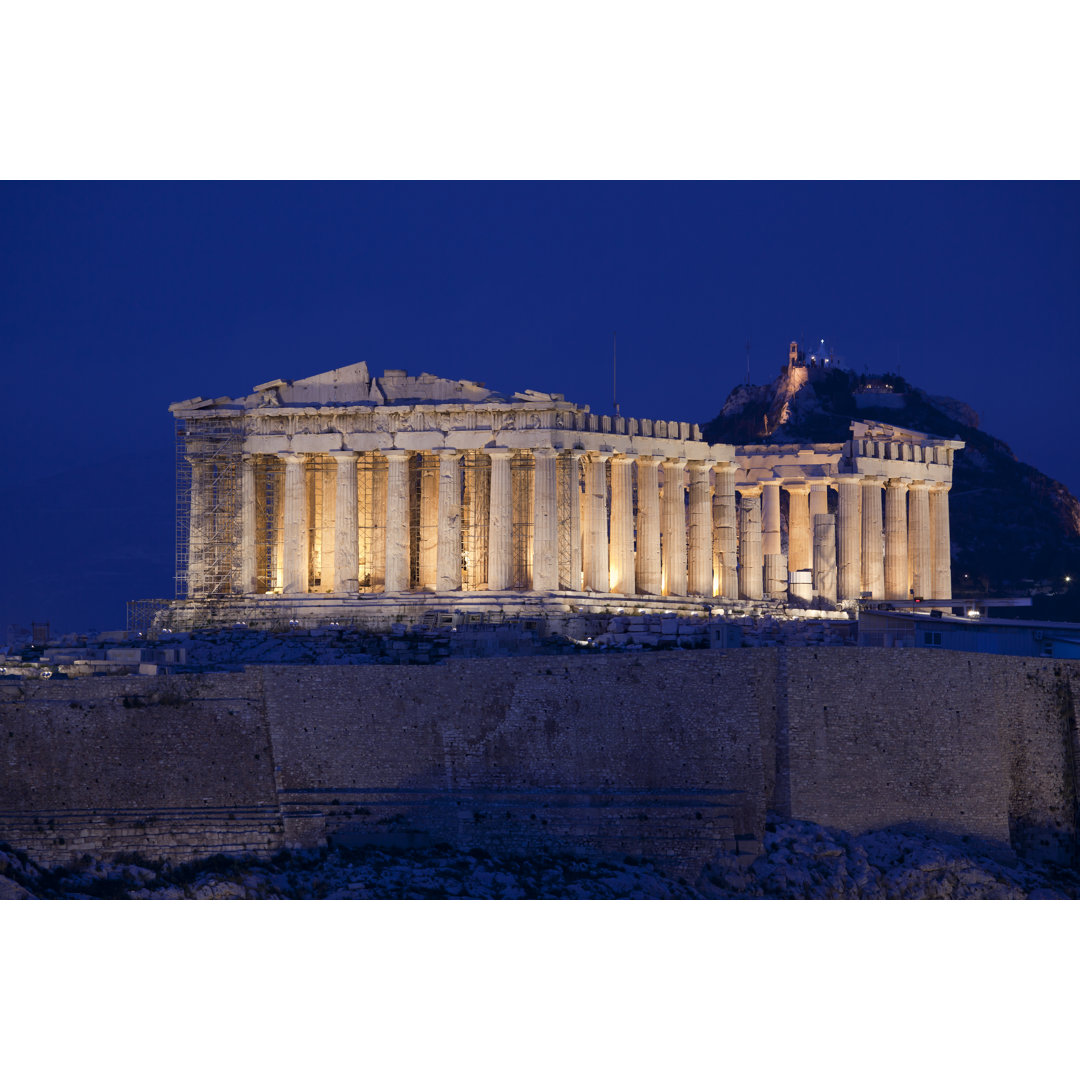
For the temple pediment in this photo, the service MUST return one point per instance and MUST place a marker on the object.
(355, 385)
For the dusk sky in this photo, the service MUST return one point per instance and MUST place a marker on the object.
(117, 299)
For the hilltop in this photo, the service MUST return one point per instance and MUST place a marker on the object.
(1014, 529)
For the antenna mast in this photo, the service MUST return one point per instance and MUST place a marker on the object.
(614, 373)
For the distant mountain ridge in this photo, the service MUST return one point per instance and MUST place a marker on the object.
(1014, 529)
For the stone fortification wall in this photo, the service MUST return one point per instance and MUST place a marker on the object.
(176, 767)
(644, 755)
(668, 756)
(967, 743)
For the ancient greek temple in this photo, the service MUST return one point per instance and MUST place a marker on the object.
(342, 494)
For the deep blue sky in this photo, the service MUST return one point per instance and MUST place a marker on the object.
(116, 299)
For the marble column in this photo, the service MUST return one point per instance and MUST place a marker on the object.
(621, 546)
(575, 583)
(448, 557)
(819, 501)
(940, 547)
(750, 556)
(545, 562)
(776, 576)
(673, 527)
(873, 565)
(649, 575)
(919, 551)
(397, 521)
(500, 521)
(700, 560)
(199, 526)
(770, 518)
(849, 539)
(726, 528)
(596, 531)
(896, 540)
(296, 526)
(825, 557)
(346, 526)
(800, 547)
(248, 526)
(428, 538)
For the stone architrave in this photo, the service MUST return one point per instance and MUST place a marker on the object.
(596, 532)
(296, 548)
(500, 521)
(346, 535)
(896, 540)
(873, 561)
(248, 574)
(673, 527)
(750, 556)
(922, 584)
(726, 528)
(397, 521)
(825, 557)
(649, 572)
(700, 571)
(621, 546)
(849, 538)
(770, 518)
(448, 566)
(940, 546)
(545, 563)
(800, 546)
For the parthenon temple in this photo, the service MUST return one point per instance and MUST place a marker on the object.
(345, 493)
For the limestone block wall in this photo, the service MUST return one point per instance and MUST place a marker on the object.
(177, 767)
(646, 755)
(968, 743)
(670, 756)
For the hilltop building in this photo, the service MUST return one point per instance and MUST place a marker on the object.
(349, 497)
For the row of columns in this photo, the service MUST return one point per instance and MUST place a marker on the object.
(853, 553)
(612, 549)
(659, 550)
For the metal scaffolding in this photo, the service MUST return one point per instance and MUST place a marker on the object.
(208, 460)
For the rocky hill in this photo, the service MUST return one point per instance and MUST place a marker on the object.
(1014, 530)
(800, 861)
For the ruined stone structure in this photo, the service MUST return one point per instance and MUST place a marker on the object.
(344, 494)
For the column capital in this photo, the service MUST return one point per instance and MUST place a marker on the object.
(680, 461)
(343, 456)
(898, 482)
(498, 453)
(394, 453)
(869, 480)
(848, 478)
(704, 464)
(600, 456)
(291, 457)
(545, 451)
(916, 484)
(448, 452)
(726, 466)
(802, 486)
(749, 491)
(941, 485)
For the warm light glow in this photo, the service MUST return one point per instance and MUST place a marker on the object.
(716, 584)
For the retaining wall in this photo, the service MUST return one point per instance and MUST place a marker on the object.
(670, 756)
